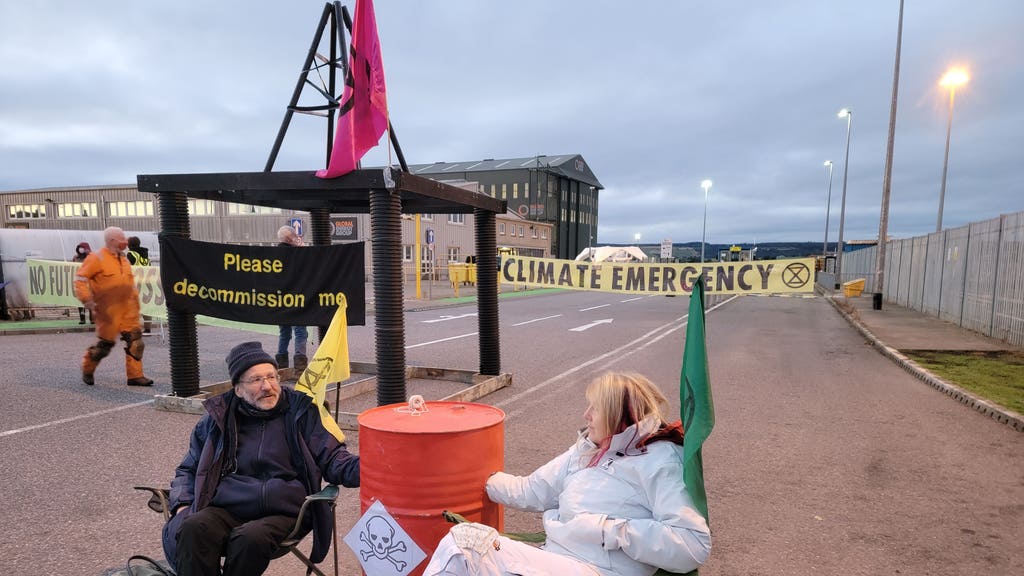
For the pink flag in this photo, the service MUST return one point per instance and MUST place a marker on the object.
(363, 115)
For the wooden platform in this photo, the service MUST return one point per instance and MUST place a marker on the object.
(359, 392)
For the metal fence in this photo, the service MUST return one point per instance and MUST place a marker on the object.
(972, 276)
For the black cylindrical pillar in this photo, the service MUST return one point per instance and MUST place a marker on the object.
(320, 227)
(386, 239)
(487, 292)
(181, 326)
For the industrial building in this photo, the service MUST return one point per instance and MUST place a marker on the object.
(97, 207)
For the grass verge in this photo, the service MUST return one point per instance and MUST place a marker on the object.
(995, 376)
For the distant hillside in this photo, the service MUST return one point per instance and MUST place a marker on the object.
(690, 251)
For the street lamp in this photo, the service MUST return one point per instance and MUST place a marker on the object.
(703, 235)
(848, 114)
(636, 238)
(828, 210)
(953, 79)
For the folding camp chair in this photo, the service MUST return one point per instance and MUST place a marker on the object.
(158, 502)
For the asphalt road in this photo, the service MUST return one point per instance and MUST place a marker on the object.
(826, 458)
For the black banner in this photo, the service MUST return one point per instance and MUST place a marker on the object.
(263, 285)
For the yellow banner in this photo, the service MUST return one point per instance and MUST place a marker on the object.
(757, 277)
(52, 283)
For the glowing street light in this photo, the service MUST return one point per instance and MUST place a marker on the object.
(705, 184)
(828, 208)
(848, 114)
(953, 79)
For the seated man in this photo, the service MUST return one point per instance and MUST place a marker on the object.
(252, 460)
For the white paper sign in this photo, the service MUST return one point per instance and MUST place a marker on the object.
(381, 545)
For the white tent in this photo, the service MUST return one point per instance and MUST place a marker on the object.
(612, 254)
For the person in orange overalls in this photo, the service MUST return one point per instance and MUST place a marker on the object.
(105, 285)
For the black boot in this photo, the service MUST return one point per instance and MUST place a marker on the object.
(282, 360)
(300, 363)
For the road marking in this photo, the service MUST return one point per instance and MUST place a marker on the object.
(631, 299)
(595, 307)
(441, 340)
(628, 349)
(591, 325)
(446, 318)
(537, 320)
(72, 419)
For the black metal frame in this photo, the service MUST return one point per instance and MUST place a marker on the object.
(383, 193)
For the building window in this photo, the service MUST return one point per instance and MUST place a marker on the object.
(122, 209)
(248, 209)
(76, 210)
(407, 252)
(206, 207)
(26, 211)
(428, 217)
(534, 228)
(544, 233)
(457, 219)
(515, 190)
(504, 191)
(494, 191)
(453, 253)
(521, 235)
(501, 228)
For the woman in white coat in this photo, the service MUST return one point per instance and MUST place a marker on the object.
(614, 503)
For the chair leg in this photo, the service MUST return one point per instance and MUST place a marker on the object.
(334, 519)
(310, 567)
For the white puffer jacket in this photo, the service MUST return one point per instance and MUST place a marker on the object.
(627, 516)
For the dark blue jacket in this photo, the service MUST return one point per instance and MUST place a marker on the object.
(323, 457)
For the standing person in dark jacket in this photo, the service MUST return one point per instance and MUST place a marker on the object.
(289, 237)
(138, 255)
(81, 251)
(252, 460)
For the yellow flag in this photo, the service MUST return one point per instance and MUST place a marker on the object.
(329, 364)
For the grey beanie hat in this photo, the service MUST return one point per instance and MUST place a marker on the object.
(245, 356)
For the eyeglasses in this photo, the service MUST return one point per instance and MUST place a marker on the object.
(269, 378)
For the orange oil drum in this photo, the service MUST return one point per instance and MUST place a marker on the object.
(419, 464)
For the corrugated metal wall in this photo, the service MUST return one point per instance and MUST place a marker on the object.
(972, 276)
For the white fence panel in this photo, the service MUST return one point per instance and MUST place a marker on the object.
(918, 268)
(953, 273)
(981, 275)
(934, 262)
(1008, 313)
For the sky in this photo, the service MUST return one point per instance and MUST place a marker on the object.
(655, 95)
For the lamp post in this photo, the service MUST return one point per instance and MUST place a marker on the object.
(828, 210)
(848, 114)
(703, 235)
(953, 79)
(636, 238)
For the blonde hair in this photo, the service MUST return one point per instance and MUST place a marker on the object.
(624, 398)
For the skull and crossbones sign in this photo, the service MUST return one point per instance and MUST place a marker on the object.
(381, 541)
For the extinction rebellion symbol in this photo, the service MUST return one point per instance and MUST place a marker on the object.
(796, 275)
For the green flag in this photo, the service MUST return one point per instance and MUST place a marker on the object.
(697, 411)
